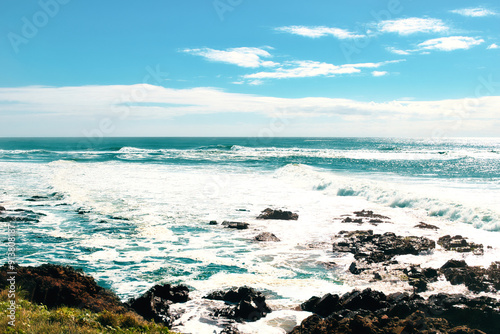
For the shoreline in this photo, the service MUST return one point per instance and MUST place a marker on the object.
(370, 250)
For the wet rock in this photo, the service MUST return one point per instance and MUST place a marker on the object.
(426, 226)
(369, 214)
(370, 311)
(154, 304)
(476, 279)
(56, 286)
(2, 208)
(82, 211)
(375, 248)
(212, 222)
(266, 236)
(460, 244)
(236, 225)
(245, 304)
(278, 214)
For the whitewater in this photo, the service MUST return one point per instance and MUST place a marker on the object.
(134, 212)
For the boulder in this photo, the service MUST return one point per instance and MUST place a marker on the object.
(245, 304)
(2, 208)
(154, 304)
(278, 214)
(266, 236)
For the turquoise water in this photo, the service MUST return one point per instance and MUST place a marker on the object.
(133, 212)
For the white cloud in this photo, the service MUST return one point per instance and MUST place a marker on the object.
(450, 43)
(493, 46)
(412, 25)
(308, 68)
(379, 73)
(319, 31)
(244, 56)
(474, 12)
(398, 51)
(147, 102)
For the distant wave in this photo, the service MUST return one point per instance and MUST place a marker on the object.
(409, 194)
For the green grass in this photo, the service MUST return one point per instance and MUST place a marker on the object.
(37, 319)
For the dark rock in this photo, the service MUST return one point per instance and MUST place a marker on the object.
(374, 248)
(266, 236)
(82, 211)
(369, 214)
(370, 311)
(246, 304)
(154, 304)
(213, 222)
(476, 279)
(236, 225)
(460, 244)
(56, 286)
(2, 208)
(278, 214)
(230, 330)
(323, 306)
(454, 264)
(426, 226)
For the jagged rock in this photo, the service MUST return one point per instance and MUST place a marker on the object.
(426, 226)
(369, 214)
(278, 214)
(2, 208)
(236, 225)
(154, 304)
(266, 236)
(212, 222)
(460, 244)
(246, 304)
(374, 248)
(370, 311)
(476, 279)
(56, 286)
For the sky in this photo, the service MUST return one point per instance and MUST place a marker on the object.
(399, 68)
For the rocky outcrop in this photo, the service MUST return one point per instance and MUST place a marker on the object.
(278, 214)
(371, 311)
(460, 244)
(373, 248)
(266, 236)
(2, 208)
(476, 279)
(55, 286)
(244, 304)
(154, 304)
(20, 216)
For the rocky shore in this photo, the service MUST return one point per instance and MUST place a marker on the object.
(357, 311)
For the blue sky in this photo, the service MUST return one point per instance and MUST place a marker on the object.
(249, 68)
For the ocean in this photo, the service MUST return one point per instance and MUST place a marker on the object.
(134, 212)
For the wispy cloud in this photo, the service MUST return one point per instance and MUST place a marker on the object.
(164, 103)
(319, 31)
(379, 73)
(412, 25)
(450, 43)
(244, 56)
(308, 68)
(493, 46)
(474, 12)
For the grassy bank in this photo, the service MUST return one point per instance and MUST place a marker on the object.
(38, 319)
